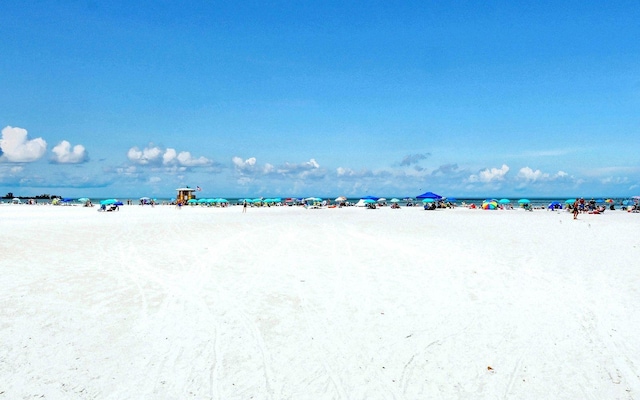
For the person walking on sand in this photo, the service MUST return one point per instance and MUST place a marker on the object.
(575, 209)
(244, 206)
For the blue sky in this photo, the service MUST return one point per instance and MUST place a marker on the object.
(320, 98)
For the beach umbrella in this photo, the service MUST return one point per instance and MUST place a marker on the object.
(118, 203)
(341, 198)
(83, 200)
(369, 201)
(370, 198)
(429, 195)
(382, 199)
(504, 201)
(451, 199)
(428, 200)
(608, 201)
(192, 201)
(394, 200)
(491, 204)
(107, 202)
(524, 201)
(570, 201)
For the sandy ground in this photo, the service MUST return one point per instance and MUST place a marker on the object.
(288, 303)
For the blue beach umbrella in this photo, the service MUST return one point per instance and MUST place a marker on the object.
(570, 201)
(524, 201)
(108, 202)
(504, 201)
(429, 195)
(428, 200)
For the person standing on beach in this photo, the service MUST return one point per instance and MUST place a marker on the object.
(575, 209)
(244, 206)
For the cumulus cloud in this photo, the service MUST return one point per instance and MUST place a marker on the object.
(249, 168)
(290, 168)
(243, 165)
(146, 156)
(15, 147)
(530, 175)
(186, 159)
(158, 156)
(341, 171)
(63, 153)
(490, 175)
(413, 159)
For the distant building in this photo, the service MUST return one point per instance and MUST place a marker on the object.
(185, 194)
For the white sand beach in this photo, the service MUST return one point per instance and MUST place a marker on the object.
(346, 303)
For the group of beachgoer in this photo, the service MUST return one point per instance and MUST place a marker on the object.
(590, 207)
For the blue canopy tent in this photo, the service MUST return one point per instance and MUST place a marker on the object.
(429, 195)
(555, 205)
(370, 198)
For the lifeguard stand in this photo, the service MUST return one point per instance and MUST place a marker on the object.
(185, 194)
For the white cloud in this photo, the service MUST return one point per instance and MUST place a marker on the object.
(244, 165)
(345, 171)
(490, 175)
(289, 168)
(155, 155)
(269, 168)
(17, 148)
(149, 155)
(187, 160)
(64, 154)
(168, 156)
(529, 175)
